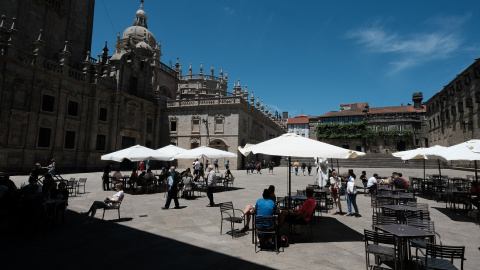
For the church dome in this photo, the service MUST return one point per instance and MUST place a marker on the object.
(139, 31)
(143, 45)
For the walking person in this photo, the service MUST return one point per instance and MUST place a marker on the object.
(335, 188)
(309, 168)
(211, 182)
(304, 166)
(106, 177)
(172, 189)
(215, 163)
(351, 194)
(295, 165)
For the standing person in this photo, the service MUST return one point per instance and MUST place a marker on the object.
(215, 163)
(227, 164)
(51, 167)
(335, 188)
(106, 172)
(309, 168)
(304, 166)
(295, 165)
(211, 182)
(172, 189)
(364, 178)
(148, 164)
(142, 166)
(196, 170)
(207, 164)
(351, 194)
(270, 167)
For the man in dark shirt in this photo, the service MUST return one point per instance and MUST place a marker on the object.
(398, 182)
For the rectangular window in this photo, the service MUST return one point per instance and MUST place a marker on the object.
(102, 115)
(196, 126)
(101, 141)
(194, 145)
(48, 103)
(148, 144)
(44, 135)
(385, 128)
(69, 140)
(460, 106)
(173, 126)
(133, 85)
(72, 108)
(149, 125)
(219, 125)
(400, 127)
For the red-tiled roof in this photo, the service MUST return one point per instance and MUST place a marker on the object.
(379, 110)
(297, 120)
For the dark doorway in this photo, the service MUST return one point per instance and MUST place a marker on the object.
(401, 146)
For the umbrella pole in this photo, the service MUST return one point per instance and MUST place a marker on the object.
(289, 182)
(423, 170)
(338, 168)
(439, 170)
(331, 162)
(476, 174)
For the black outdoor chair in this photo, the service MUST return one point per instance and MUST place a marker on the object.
(264, 233)
(380, 245)
(440, 257)
(227, 213)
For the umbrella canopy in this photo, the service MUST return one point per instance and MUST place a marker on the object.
(244, 150)
(421, 153)
(205, 151)
(170, 150)
(293, 145)
(463, 151)
(135, 153)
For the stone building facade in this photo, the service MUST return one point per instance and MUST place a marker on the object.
(59, 102)
(374, 129)
(452, 113)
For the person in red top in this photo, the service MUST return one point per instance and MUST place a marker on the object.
(305, 212)
(142, 166)
(404, 180)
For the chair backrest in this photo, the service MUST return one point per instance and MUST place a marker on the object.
(300, 192)
(421, 206)
(379, 219)
(116, 205)
(426, 225)
(71, 179)
(226, 206)
(379, 238)
(446, 252)
(82, 180)
(265, 221)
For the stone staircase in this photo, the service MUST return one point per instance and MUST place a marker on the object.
(373, 161)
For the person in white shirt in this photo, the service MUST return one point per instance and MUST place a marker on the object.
(372, 183)
(196, 170)
(211, 183)
(117, 197)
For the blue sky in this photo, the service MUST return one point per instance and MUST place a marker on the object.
(310, 56)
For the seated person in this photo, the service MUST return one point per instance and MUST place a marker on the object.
(186, 182)
(133, 179)
(265, 207)
(398, 182)
(117, 197)
(475, 190)
(141, 180)
(150, 176)
(228, 175)
(404, 180)
(61, 193)
(250, 209)
(372, 183)
(117, 175)
(303, 214)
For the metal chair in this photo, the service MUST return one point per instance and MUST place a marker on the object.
(426, 225)
(81, 182)
(72, 186)
(380, 245)
(227, 213)
(440, 257)
(380, 219)
(270, 228)
(115, 206)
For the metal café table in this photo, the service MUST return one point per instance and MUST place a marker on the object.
(401, 210)
(297, 199)
(404, 232)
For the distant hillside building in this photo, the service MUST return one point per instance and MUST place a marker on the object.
(359, 127)
(299, 125)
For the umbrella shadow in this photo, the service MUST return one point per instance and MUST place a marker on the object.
(460, 215)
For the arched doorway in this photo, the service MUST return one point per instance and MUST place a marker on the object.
(218, 144)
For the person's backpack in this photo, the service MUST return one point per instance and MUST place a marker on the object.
(283, 241)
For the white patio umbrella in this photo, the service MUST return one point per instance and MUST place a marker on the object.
(135, 153)
(171, 150)
(462, 151)
(293, 145)
(421, 153)
(204, 151)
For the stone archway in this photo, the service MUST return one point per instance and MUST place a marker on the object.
(218, 144)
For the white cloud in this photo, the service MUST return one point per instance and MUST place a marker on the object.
(411, 49)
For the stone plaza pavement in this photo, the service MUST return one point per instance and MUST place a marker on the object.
(147, 237)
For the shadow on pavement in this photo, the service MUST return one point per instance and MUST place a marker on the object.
(104, 245)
